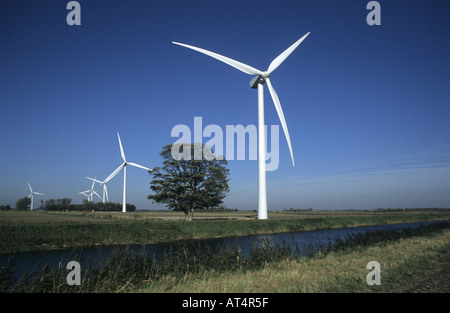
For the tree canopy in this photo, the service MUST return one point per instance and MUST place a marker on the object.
(192, 179)
(23, 203)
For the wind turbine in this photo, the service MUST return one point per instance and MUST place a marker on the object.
(32, 195)
(117, 170)
(90, 193)
(85, 193)
(257, 83)
(105, 190)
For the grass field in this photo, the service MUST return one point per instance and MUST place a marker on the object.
(26, 231)
(13, 217)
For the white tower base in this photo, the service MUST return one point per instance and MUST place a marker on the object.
(262, 193)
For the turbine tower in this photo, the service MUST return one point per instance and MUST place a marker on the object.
(257, 83)
(117, 170)
(32, 195)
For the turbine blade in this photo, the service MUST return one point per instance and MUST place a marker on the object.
(140, 166)
(94, 179)
(121, 148)
(117, 170)
(29, 186)
(38, 193)
(97, 195)
(277, 104)
(278, 60)
(240, 66)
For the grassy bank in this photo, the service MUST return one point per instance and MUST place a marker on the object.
(411, 260)
(27, 231)
(412, 264)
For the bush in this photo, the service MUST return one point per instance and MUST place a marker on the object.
(5, 207)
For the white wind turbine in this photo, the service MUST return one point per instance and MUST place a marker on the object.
(257, 83)
(90, 193)
(117, 170)
(85, 193)
(105, 190)
(32, 193)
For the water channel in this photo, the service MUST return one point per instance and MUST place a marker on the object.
(313, 240)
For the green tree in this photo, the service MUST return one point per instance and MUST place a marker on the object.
(23, 203)
(58, 204)
(192, 179)
(5, 207)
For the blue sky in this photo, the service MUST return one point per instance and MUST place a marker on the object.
(367, 106)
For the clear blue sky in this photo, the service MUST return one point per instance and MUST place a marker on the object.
(367, 106)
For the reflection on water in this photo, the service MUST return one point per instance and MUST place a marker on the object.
(309, 240)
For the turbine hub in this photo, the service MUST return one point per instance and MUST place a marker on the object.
(256, 81)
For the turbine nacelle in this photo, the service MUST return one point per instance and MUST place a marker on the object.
(256, 81)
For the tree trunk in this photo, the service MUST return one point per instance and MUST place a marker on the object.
(189, 215)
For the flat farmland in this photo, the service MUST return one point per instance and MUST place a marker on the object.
(40, 230)
(13, 217)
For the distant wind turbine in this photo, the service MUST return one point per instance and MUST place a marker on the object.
(105, 190)
(117, 170)
(32, 195)
(90, 193)
(257, 83)
(85, 193)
